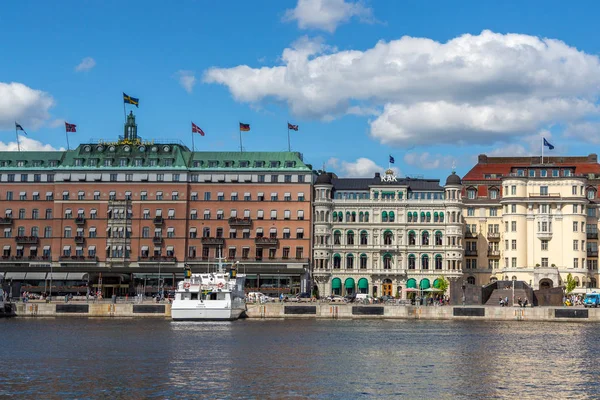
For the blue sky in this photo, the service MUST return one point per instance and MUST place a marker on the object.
(431, 82)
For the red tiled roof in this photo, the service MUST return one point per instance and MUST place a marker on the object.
(503, 165)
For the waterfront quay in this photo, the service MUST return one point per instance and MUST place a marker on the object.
(319, 310)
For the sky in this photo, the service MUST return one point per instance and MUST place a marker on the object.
(432, 83)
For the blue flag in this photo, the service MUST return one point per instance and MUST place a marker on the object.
(391, 159)
(131, 100)
(547, 144)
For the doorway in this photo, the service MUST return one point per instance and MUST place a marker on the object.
(386, 287)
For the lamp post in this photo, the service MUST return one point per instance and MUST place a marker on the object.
(50, 295)
(159, 285)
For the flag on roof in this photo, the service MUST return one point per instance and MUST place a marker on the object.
(547, 144)
(391, 159)
(18, 127)
(292, 127)
(70, 127)
(131, 100)
(196, 129)
(244, 127)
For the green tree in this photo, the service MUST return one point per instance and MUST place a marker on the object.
(570, 284)
(442, 284)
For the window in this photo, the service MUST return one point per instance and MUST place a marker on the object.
(532, 173)
(23, 196)
(573, 189)
(513, 226)
(493, 212)
(176, 177)
(286, 214)
(544, 245)
(513, 190)
(493, 194)
(300, 196)
(575, 225)
(287, 178)
(513, 208)
(470, 212)
(274, 197)
(575, 208)
(576, 245)
(23, 177)
(543, 190)
(261, 178)
(21, 213)
(287, 197)
(273, 214)
(67, 233)
(129, 177)
(300, 215)
(220, 196)
(260, 214)
(175, 196)
(576, 263)
(274, 178)
(219, 214)
(206, 196)
(471, 193)
(513, 244)
(234, 196)
(159, 195)
(113, 177)
(160, 177)
(514, 262)
(299, 252)
(591, 194)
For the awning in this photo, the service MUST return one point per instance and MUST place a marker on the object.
(170, 248)
(36, 276)
(260, 194)
(65, 193)
(424, 284)
(246, 230)
(274, 194)
(336, 283)
(77, 276)
(121, 229)
(300, 230)
(8, 211)
(96, 193)
(233, 194)
(6, 247)
(246, 194)
(67, 248)
(144, 193)
(92, 230)
(411, 283)
(159, 193)
(220, 212)
(81, 193)
(171, 213)
(108, 229)
(170, 230)
(194, 194)
(159, 213)
(22, 193)
(363, 283)
(287, 195)
(144, 248)
(119, 248)
(19, 247)
(7, 229)
(36, 193)
(112, 193)
(49, 194)
(273, 230)
(194, 212)
(300, 194)
(192, 230)
(286, 230)
(127, 193)
(46, 247)
(258, 230)
(232, 230)
(57, 276)
(33, 248)
(92, 248)
(93, 211)
(78, 248)
(219, 194)
(14, 275)
(157, 229)
(349, 283)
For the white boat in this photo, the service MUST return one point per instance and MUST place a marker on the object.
(211, 296)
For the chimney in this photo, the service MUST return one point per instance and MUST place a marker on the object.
(482, 159)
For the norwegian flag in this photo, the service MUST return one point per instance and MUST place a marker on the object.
(196, 129)
(292, 127)
(70, 127)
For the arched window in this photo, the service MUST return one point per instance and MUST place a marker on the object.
(363, 261)
(441, 217)
(425, 238)
(337, 261)
(387, 237)
(471, 280)
(409, 217)
(327, 216)
(438, 238)
(392, 216)
(361, 216)
(428, 216)
(425, 262)
(384, 216)
(411, 261)
(337, 237)
(367, 216)
(436, 217)
(438, 261)
(322, 216)
(387, 261)
(363, 237)
(348, 216)
(412, 238)
(422, 216)
(349, 261)
(336, 286)
(353, 216)
(349, 237)
(335, 216)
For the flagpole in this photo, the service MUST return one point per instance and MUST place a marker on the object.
(289, 146)
(67, 135)
(124, 112)
(193, 147)
(241, 148)
(17, 134)
(542, 150)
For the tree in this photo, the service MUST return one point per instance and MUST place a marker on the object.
(570, 284)
(442, 284)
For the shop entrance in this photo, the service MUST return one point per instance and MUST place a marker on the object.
(386, 287)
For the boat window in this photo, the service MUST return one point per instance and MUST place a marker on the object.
(194, 296)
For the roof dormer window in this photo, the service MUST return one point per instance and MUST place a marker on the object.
(244, 164)
(274, 164)
(20, 163)
(228, 164)
(213, 164)
(259, 164)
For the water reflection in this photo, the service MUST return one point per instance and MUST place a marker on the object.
(78, 358)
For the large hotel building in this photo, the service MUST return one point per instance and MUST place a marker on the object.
(126, 215)
(532, 221)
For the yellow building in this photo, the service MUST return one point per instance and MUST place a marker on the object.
(532, 221)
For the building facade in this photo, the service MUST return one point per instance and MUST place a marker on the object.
(532, 221)
(130, 213)
(384, 235)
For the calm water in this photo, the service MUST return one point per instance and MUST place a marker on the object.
(103, 358)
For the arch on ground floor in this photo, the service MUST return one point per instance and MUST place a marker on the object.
(336, 286)
(437, 283)
(411, 283)
(424, 284)
(471, 280)
(349, 285)
(363, 285)
(546, 283)
(386, 287)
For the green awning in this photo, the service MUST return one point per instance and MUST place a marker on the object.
(363, 255)
(437, 283)
(438, 233)
(428, 214)
(425, 233)
(363, 283)
(384, 214)
(336, 255)
(363, 231)
(415, 214)
(435, 214)
(422, 213)
(391, 214)
(349, 255)
(442, 214)
(335, 214)
(336, 283)
(411, 256)
(387, 255)
(349, 283)
(438, 256)
(337, 232)
(424, 256)
(424, 284)
(353, 213)
(411, 283)
(392, 193)
(409, 232)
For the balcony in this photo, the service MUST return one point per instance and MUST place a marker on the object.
(6, 221)
(469, 234)
(158, 220)
(543, 195)
(493, 253)
(78, 259)
(158, 259)
(471, 252)
(27, 239)
(495, 236)
(544, 235)
(18, 259)
(79, 239)
(79, 221)
(213, 241)
(592, 235)
(233, 221)
(592, 253)
(266, 241)
(157, 240)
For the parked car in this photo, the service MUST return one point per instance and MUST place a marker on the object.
(303, 297)
(350, 297)
(336, 299)
(386, 298)
(591, 300)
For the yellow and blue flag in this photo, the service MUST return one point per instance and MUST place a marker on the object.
(131, 100)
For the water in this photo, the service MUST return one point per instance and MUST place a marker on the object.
(108, 358)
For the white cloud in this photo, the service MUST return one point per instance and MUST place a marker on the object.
(187, 80)
(430, 161)
(86, 64)
(29, 107)
(27, 144)
(327, 14)
(530, 145)
(361, 168)
(586, 131)
(472, 89)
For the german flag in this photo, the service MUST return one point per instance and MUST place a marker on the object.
(244, 127)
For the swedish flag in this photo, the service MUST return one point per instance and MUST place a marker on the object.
(131, 100)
